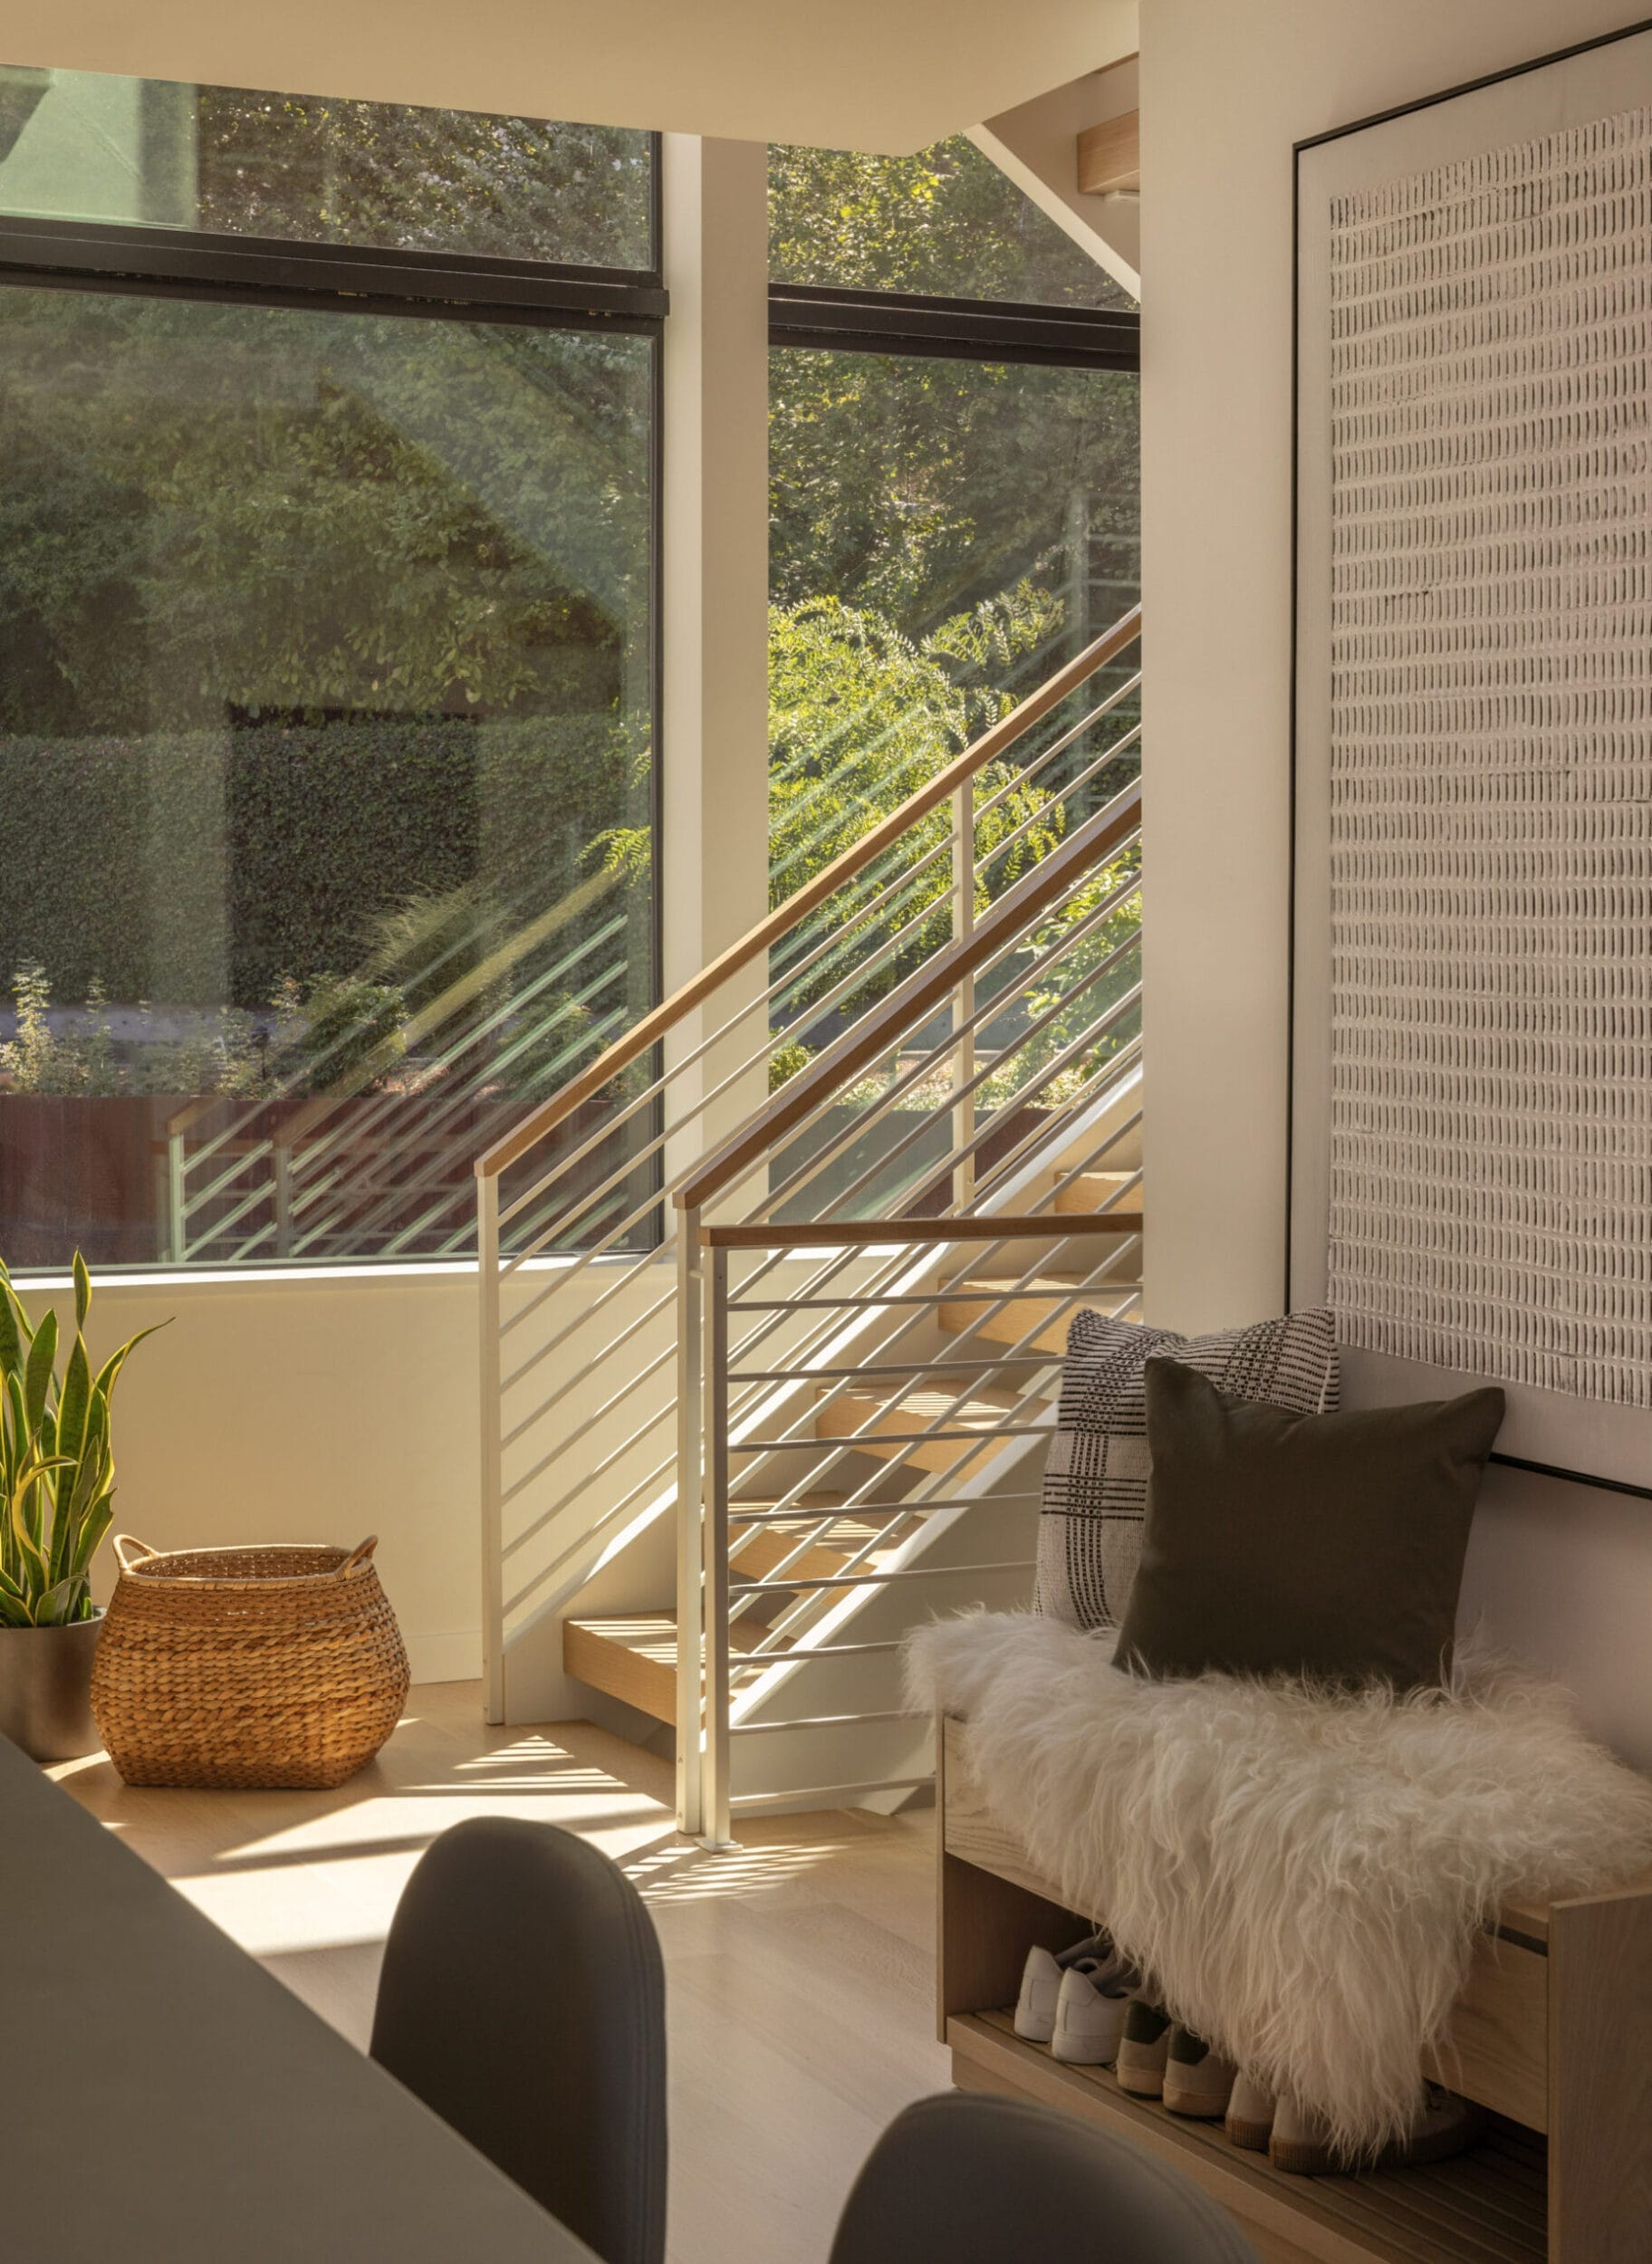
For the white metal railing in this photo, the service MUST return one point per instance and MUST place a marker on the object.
(961, 1038)
(755, 1420)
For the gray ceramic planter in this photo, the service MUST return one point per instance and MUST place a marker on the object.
(45, 1689)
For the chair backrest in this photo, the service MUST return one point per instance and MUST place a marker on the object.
(971, 2180)
(522, 1998)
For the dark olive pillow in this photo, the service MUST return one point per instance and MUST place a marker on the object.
(1323, 1544)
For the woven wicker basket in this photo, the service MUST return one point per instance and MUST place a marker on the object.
(269, 1666)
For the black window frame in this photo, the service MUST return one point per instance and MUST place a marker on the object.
(842, 320)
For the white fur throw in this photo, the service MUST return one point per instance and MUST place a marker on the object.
(1302, 1874)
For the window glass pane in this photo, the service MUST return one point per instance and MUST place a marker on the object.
(325, 717)
(944, 535)
(919, 487)
(946, 222)
(314, 170)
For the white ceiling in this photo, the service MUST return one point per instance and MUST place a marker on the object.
(890, 75)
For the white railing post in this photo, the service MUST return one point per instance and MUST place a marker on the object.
(964, 996)
(282, 1161)
(690, 1533)
(714, 1529)
(178, 1195)
(493, 1458)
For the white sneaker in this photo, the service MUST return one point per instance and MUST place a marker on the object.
(1090, 2012)
(1041, 1984)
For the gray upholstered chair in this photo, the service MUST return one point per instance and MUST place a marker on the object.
(522, 1998)
(968, 2180)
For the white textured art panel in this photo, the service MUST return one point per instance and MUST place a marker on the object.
(1490, 1133)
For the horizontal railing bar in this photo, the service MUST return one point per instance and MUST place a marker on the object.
(875, 1487)
(1058, 796)
(944, 1295)
(1024, 778)
(582, 1543)
(892, 1367)
(967, 1462)
(476, 1033)
(996, 1299)
(810, 1651)
(857, 1441)
(824, 1721)
(999, 1226)
(843, 986)
(265, 1193)
(811, 894)
(567, 1438)
(867, 1040)
(918, 1505)
(243, 1163)
(901, 1013)
(788, 1582)
(746, 1803)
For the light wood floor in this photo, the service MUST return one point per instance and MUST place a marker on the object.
(799, 1968)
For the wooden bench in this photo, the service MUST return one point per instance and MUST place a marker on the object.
(1553, 2034)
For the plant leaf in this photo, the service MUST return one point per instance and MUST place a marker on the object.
(82, 1291)
(38, 1371)
(104, 1381)
(15, 1331)
(57, 1606)
(98, 1519)
(73, 1399)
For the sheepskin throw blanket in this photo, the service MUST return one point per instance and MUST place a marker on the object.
(1301, 1874)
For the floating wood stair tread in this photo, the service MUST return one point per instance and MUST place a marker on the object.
(1040, 1302)
(768, 1546)
(632, 1655)
(1491, 2202)
(1094, 1190)
(1109, 156)
(901, 1414)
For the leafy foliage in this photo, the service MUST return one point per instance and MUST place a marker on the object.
(57, 1466)
(946, 221)
(314, 168)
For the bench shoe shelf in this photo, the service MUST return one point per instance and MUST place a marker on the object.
(1552, 2035)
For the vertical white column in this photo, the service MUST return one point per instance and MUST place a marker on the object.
(712, 860)
(712, 855)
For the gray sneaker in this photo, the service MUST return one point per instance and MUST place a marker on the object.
(1197, 2081)
(1143, 2050)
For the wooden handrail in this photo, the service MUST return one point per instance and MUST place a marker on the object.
(991, 1226)
(758, 941)
(876, 1032)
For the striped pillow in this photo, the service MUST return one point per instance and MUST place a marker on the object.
(1096, 1477)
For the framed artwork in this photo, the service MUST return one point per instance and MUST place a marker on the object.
(1471, 1150)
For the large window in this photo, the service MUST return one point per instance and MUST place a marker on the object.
(955, 500)
(327, 688)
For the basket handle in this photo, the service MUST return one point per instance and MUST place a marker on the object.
(358, 1556)
(123, 1542)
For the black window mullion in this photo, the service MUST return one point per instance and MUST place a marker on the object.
(96, 255)
(903, 322)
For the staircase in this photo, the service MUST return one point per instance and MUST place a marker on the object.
(818, 1536)
(812, 1333)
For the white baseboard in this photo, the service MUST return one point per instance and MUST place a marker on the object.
(450, 1655)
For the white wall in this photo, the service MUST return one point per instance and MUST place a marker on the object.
(294, 1408)
(1562, 1573)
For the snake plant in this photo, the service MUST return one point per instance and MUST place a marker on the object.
(57, 1471)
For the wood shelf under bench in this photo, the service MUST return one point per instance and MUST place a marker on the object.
(1554, 2035)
